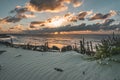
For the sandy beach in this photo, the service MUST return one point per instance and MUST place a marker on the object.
(59, 39)
(19, 64)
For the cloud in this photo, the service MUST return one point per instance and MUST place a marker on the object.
(39, 6)
(78, 16)
(56, 21)
(108, 22)
(76, 3)
(1, 28)
(17, 18)
(36, 24)
(23, 11)
(106, 25)
(100, 16)
(28, 15)
(11, 19)
(64, 20)
(16, 28)
(83, 14)
(19, 10)
(51, 5)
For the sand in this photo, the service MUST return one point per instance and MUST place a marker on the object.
(19, 64)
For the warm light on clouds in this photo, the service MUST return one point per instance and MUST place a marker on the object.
(29, 15)
(100, 16)
(77, 4)
(113, 13)
(82, 15)
(51, 5)
(56, 32)
(35, 9)
(1, 28)
(57, 22)
(16, 28)
(59, 17)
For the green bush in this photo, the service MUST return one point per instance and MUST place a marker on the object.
(115, 51)
(108, 47)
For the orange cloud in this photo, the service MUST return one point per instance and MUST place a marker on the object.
(59, 21)
(1, 28)
(83, 14)
(76, 3)
(51, 5)
(100, 16)
(10, 19)
(29, 15)
(16, 18)
(17, 28)
(21, 13)
(56, 21)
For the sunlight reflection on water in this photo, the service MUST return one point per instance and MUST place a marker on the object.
(59, 41)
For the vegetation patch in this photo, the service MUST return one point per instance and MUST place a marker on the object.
(108, 47)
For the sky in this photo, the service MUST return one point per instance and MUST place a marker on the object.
(42, 16)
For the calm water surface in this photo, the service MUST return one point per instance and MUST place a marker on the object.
(59, 40)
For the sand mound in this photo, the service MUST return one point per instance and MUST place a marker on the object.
(32, 65)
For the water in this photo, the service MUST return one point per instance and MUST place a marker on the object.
(58, 40)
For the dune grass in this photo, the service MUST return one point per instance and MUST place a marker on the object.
(108, 47)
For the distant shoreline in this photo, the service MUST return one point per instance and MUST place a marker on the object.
(4, 36)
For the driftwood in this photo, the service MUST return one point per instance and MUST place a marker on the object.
(58, 69)
(83, 72)
(18, 55)
(1, 52)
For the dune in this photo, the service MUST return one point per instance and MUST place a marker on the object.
(19, 64)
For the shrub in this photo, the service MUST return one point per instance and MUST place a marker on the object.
(108, 47)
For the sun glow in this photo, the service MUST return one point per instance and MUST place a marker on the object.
(56, 32)
(57, 22)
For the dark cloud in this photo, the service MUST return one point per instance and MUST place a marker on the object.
(64, 20)
(19, 10)
(51, 5)
(106, 25)
(108, 22)
(73, 19)
(16, 28)
(81, 16)
(11, 19)
(35, 24)
(100, 16)
(21, 13)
